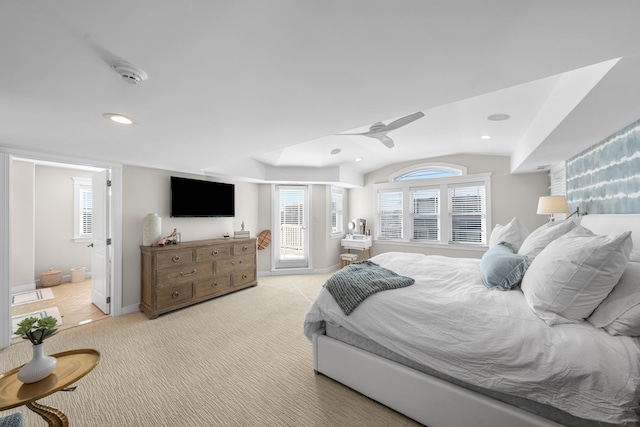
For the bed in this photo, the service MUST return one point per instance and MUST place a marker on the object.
(448, 350)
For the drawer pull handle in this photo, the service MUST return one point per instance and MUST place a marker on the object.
(244, 276)
(215, 252)
(240, 262)
(188, 274)
(176, 294)
(233, 263)
(175, 258)
(244, 248)
(214, 284)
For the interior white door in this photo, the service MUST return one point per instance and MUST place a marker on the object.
(291, 220)
(101, 259)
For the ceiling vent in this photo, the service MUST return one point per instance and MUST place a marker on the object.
(129, 73)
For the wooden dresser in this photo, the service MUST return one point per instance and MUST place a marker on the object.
(176, 276)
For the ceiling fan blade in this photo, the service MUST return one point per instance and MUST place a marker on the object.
(369, 133)
(385, 140)
(403, 121)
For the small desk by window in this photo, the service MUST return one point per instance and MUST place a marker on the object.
(358, 242)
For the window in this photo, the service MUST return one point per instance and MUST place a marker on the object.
(390, 214)
(467, 210)
(337, 212)
(83, 204)
(426, 214)
(441, 210)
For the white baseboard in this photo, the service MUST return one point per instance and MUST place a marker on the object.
(290, 271)
(23, 288)
(133, 308)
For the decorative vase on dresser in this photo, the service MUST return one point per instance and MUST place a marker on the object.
(176, 276)
(151, 229)
(40, 366)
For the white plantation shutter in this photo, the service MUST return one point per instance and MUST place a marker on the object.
(390, 214)
(86, 217)
(82, 209)
(468, 214)
(337, 215)
(426, 213)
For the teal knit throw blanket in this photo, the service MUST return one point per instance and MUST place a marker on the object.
(355, 282)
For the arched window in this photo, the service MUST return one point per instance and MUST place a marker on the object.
(428, 171)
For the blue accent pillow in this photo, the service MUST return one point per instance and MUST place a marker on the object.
(502, 269)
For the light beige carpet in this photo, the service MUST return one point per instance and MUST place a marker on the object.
(238, 360)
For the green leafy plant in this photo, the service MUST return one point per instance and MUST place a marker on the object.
(37, 330)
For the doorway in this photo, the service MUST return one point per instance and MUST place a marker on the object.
(112, 282)
(291, 217)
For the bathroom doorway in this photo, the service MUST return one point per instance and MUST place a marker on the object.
(71, 297)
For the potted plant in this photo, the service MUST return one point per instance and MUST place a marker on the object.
(37, 330)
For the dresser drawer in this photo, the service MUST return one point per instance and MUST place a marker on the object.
(244, 248)
(233, 264)
(243, 277)
(175, 295)
(212, 253)
(185, 273)
(213, 285)
(173, 258)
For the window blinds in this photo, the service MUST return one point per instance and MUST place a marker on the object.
(468, 215)
(426, 218)
(390, 214)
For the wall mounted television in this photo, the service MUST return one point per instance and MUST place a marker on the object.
(198, 198)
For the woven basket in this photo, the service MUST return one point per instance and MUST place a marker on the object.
(51, 278)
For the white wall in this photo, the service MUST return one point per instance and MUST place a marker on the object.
(511, 195)
(147, 190)
(54, 209)
(22, 223)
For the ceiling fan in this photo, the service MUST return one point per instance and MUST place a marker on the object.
(379, 130)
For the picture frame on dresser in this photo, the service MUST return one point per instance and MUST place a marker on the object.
(177, 276)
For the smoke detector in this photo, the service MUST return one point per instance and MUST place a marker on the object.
(129, 73)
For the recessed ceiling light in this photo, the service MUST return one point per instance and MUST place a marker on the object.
(485, 137)
(358, 159)
(336, 151)
(498, 117)
(119, 118)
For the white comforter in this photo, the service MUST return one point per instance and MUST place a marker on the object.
(450, 321)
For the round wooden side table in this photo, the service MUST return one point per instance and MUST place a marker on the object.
(72, 365)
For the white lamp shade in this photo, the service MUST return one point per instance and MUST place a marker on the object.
(549, 205)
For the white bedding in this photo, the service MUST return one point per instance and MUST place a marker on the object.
(450, 321)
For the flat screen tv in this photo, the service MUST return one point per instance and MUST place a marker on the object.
(198, 198)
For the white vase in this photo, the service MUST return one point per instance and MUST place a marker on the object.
(39, 368)
(151, 229)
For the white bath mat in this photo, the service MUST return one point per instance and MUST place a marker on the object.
(53, 311)
(31, 296)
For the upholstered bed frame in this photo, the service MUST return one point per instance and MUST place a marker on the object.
(427, 399)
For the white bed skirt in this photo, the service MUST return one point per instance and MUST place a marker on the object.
(428, 400)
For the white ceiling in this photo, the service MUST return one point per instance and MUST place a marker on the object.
(258, 89)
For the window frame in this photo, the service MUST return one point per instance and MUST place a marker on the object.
(80, 184)
(339, 212)
(443, 184)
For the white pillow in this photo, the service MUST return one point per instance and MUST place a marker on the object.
(542, 236)
(513, 233)
(619, 313)
(571, 276)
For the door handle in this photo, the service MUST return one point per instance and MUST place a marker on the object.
(90, 246)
